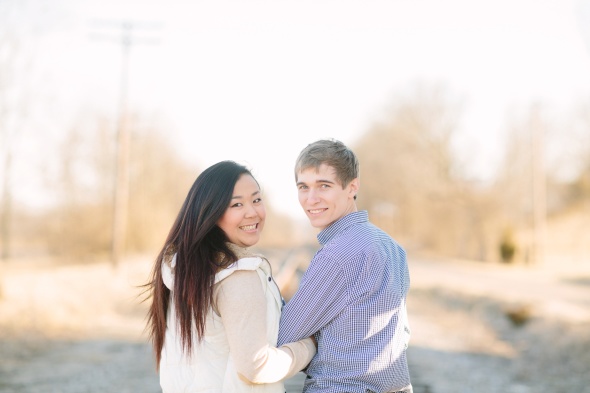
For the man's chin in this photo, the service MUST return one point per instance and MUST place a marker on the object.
(316, 222)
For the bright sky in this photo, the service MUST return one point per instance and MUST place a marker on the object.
(255, 81)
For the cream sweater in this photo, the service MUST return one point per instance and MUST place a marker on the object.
(238, 352)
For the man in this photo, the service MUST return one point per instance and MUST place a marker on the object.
(352, 297)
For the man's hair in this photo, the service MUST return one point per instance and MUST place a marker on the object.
(332, 153)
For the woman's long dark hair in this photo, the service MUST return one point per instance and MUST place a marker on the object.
(201, 250)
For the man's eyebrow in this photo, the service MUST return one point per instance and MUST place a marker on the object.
(325, 181)
(317, 181)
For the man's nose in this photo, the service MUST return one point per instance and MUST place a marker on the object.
(313, 196)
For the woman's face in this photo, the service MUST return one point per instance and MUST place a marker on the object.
(243, 219)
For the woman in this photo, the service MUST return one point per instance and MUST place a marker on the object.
(215, 309)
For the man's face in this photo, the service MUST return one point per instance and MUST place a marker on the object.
(322, 197)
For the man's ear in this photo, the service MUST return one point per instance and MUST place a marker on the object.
(354, 187)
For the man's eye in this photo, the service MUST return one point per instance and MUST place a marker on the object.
(257, 200)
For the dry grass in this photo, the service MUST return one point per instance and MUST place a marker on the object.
(462, 337)
(73, 301)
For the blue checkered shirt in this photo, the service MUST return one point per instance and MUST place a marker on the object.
(353, 299)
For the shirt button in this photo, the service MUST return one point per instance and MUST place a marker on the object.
(269, 279)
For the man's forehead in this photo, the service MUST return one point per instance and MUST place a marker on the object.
(324, 171)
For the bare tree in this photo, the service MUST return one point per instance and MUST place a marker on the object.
(13, 107)
(21, 23)
(159, 182)
(581, 150)
(410, 179)
(79, 227)
(522, 184)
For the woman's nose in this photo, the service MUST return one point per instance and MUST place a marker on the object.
(251, 211)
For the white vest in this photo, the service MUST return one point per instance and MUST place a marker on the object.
(209, 368)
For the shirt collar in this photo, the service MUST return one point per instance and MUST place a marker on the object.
(341, 224)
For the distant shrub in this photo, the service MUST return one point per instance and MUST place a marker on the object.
(507, 247)
(519, 315)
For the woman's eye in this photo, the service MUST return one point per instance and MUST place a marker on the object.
(236, 204)
(257, 200)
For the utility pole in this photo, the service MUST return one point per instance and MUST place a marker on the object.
(123, 139)
(539, 187)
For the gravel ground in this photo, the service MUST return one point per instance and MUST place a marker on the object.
(80, 329)
(467, 337)
(485, 352)
(86, 366)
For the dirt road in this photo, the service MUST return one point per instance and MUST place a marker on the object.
(80, 329)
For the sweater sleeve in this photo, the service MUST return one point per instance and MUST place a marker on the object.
(241, 303)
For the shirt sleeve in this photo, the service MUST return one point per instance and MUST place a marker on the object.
(241, 304)
(321, 296)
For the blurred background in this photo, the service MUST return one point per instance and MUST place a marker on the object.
(471, 120)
